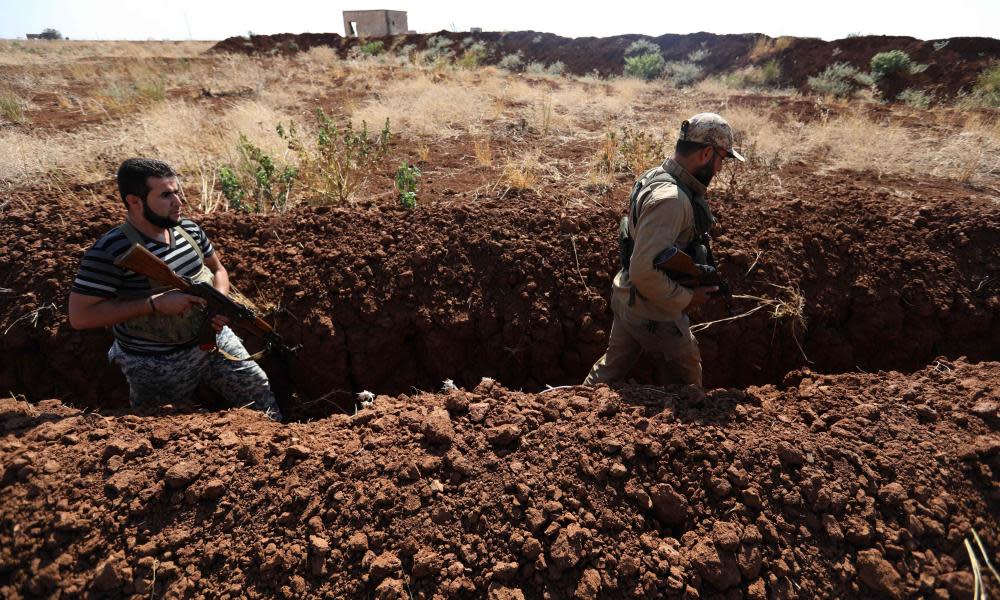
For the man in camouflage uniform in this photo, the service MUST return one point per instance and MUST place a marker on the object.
(667, 208)
(159, 342)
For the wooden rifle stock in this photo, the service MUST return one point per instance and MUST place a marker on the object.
(140, 260)
(681, 268)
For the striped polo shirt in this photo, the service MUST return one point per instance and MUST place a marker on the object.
(98, 275)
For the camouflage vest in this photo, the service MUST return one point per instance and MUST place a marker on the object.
(167, 329)
(651, 180)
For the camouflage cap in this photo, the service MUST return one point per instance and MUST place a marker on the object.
(712, 130)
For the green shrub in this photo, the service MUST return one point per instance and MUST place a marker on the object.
(699, 55)
(556, 68)
(255, 183)
(512, 62)
(682, 74)
(885, 64)
(535, 68)
(645, 66)
(642, 47)
(438, 50)
(406, 184)
(915, 98)
(473, 56)
(840, 80)
(373, 48)
(987, 88)
(771, 73)
(341, 159)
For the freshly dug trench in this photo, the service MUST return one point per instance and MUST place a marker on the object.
(847, 486)
(388, 300)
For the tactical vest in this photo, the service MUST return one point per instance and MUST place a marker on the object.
(179, 329)
(698, 249)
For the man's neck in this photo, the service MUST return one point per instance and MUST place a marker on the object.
(148, 229)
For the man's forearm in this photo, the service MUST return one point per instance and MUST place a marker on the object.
(106, 312)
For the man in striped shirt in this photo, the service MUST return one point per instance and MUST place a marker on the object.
(157, 330)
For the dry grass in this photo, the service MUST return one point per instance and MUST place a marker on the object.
(426, 105)
(766, 47)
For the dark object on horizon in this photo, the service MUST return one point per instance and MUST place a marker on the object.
(47, 34)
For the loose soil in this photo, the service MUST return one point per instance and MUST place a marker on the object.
(953, 64)
(385, 299)
(848, 486)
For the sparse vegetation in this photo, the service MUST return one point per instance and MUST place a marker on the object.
(681, 74)
(339, 162)
(645, 66)
(406, 185)
(255, 182)
(438, 51)
(474, 55)
(512, 62)
(640, 47)
(12, 107)
(840, 80)
(373, 48)
(915, 98)
(887, 64)
(987, 88)
(629, 151)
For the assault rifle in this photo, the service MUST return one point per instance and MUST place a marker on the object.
(140, 260)
(682, 269)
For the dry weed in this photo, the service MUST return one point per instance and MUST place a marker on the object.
(483, 149)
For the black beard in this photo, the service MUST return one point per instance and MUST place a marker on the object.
(704, 174)
(155, 219)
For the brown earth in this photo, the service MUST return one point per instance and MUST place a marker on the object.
(848, 486)
(953, 64)
(384, 299)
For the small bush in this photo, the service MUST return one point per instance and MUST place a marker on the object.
(885, 64)
(744, 180)
(373, 48)
(512, 62)
(645, 66)
(642, 47)
(915, 98)
(987, 88)
(473, 56)
(699, 55)
(840, 80)
(556, 68)
(630, 151)
(682, 74)
(255, 183)
(438, 50)
(406, 50)
(767, 75)
(535, 68)
(406, 184)
(341, 159)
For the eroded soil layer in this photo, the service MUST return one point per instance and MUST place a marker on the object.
(387, 300)
(848, 486)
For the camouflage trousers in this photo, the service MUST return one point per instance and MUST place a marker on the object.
(156, 380)
(673, 346)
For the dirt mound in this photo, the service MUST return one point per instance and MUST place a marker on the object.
(850, 486)
(952, 64)
(384, 299)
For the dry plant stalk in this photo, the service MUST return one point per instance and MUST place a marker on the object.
(483, 149)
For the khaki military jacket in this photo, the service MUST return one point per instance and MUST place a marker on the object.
(665, 218)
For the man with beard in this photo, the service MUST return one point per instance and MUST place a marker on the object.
(159, 343)
(667, 208)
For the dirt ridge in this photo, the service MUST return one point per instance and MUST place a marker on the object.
(953, 64)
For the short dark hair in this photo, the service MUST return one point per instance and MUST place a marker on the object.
(685, 148)
(133, 172)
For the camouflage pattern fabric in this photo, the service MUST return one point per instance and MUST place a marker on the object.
(712, 130)
(155, 380)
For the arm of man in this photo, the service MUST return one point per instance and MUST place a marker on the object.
(660, 223)
(221, 281)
